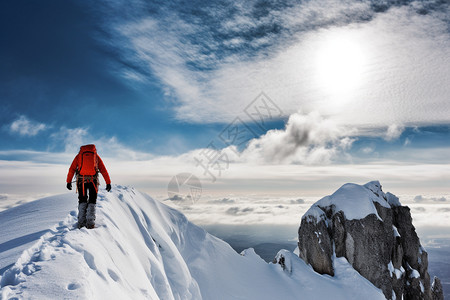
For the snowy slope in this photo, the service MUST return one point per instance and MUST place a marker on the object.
(142, 249)
(23, 225)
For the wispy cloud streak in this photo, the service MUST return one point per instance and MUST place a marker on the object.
(212, 59)
(23, 126)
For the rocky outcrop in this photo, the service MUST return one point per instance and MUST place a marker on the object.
(314, 232)
(436, 289)
(374, 232)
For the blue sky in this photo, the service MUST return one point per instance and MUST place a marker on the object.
(357, 86)
(57, 72)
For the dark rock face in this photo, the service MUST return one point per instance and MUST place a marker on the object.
(383, 246)
(436, 289)
(369, 257)
(317, 236)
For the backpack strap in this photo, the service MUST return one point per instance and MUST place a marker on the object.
(88, 179)
(96, 161)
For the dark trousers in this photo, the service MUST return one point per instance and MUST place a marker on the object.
(89, 194)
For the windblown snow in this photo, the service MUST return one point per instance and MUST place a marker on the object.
(143, 249)
(355, 201)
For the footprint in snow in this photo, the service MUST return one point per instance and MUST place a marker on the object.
(113, 275)
(73, 286)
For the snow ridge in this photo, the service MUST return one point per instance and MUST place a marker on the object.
(143, 249)
(105, 262)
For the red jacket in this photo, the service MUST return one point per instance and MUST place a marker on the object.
(101, 167)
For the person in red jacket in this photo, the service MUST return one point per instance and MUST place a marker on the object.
(86, 165)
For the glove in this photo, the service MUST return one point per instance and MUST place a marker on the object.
(69, 186)
(108, 187)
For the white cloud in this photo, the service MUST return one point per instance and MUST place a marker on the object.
(440, 199)
(238, 211)
(73, 138)
(399, 83)
(26, 127)
(429, 215)
(246, 193)
(162, 53)
(420, 198)
(294, 158)
(222, 201)
(297, 201)
(393, 132)
(260, 209)
(152, 175)
(368, 150)
(307, 139)
(403, 80)
(436, 155)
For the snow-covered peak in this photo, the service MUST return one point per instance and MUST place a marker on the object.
(393, 200)
(374, 186)
(315, 213)
(374, 232)
(354, 200)
(143, 249)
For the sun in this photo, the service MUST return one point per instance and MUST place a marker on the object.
(340, 64)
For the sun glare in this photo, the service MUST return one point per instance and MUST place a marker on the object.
(340, 66)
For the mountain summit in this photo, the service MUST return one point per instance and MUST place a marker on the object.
(374, 232)
(143, 249)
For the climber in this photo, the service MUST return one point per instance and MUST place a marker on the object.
(86, 165)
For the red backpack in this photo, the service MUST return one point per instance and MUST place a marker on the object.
(87, 161)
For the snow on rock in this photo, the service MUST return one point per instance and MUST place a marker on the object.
(391, 268)
(393, 200)
(396, 234)
(284, 259)
(355, 201)
(143, 249)
(399, 272)
(414, 273)
(374, 232)
(315, 213)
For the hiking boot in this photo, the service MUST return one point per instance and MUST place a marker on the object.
(90, 216)
(82, 207)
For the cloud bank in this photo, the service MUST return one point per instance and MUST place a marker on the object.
(212, 71)
(422, 199)
(311, 153)
(280, 210)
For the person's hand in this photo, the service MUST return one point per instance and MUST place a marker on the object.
(108, 187)
(69, 186)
